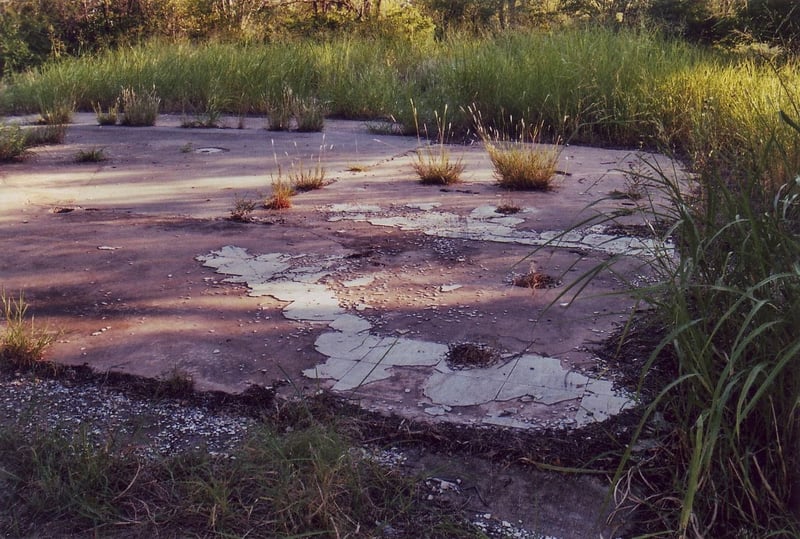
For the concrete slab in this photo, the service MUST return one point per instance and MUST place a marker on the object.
(360, 287)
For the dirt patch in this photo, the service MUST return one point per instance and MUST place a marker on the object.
(536, 280)
(470, 355)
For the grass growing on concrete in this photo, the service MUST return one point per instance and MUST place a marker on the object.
(109, 117)
(12, 143)
(92, 155)
(433, 164)
(282, 193)
(139, 108)
(22, 342)
(520, 162)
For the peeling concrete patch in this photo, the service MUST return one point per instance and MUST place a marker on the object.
(485, 223)
(358, 356)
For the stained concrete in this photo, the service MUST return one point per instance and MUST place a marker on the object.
(360, 287)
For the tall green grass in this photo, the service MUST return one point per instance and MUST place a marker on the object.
(595, 86)
(722, 436)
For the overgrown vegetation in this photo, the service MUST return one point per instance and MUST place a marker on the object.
(722, 443)
(306, 482)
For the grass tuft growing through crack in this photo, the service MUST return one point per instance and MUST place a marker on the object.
(520, 162)
(432, 163)
(22, 342)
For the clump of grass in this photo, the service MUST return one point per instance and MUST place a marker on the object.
(45, 134)
(243, 207)
(307, 179)
(520, 162)
(177, 383)
(433, 164)
(92, 155)
(508, 208)
(280, 111)
(139, 109)
(22, 342)
(309, 114)
(13, 143)
(58, 112)
(110, 116)
(282, 192)
(288, 110)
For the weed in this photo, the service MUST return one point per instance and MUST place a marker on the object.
(56, 113)
(536, 280)
(22, 343)
(139, 109)
(45, 134)
(242, 208)
(187, 148)
(94, 155)
(433, 166)
(282, 193)
(508, 208)
(281, 110)
(110, 117)
(522, 166)
(13, 143)
(519, 161)
(307, 179)
(177, 383)
(309, 114)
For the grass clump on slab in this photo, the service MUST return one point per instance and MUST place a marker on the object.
(140, 109)
(92, 155)
(22, 342)
(243, 207)
(110, 117)
(433, 164)
(282, 193)
(13, 143)
(519, 161)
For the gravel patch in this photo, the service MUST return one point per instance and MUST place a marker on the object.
(101, 414)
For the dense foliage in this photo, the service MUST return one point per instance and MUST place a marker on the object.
(32, 31)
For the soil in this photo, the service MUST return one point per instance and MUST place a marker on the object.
(107, 254)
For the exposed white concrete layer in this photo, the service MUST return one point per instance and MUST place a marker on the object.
(484, 223)
(358, 357)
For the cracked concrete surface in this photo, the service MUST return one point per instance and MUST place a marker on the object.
(361, 287)
(357, 356)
